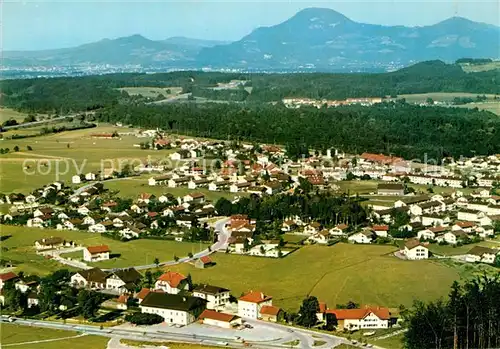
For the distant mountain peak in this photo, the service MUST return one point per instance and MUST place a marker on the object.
(317, 15)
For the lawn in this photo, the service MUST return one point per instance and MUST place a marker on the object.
(171, 345)
(7, 114)
(74, 150)
(468, 68)
(14, 334)
(394, 342)
(137, 252)
(335, 274)
(440, 96)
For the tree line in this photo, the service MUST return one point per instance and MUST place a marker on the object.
(406, 130)
(67, 94)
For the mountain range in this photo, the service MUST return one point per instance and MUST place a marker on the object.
(314, 38)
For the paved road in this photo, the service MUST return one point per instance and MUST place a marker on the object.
(221, 244)
(41, 122)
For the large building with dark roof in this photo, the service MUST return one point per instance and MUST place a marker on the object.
(174, 308)
(217, 297)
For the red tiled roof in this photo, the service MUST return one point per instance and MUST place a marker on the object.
(270, 310)
(152, 214)
(466, 224)
(98, 249)
(214, 315)
(380, 227)
(342, 226)
(145, 196)
(255, 297)
(143, 293)
(172, 278)
(122, 299)
(7, 276)
(206, 260)
(358, 314)
(380, 158)
(196, 195)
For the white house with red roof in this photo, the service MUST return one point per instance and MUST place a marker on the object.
(172, 282)
(96, 253)
(250, 304)
(381, 230)
(368, 318)
(214, 318)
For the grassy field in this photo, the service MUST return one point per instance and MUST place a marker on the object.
(367, 187)
(152, 92)
(440, 96)
(14, 335)
(394, 342)
(72, 150)
(472, 68)
(7, 114)
(135, 186)
(138, 252)
(170, 345)
(336, 274)
(493, 107)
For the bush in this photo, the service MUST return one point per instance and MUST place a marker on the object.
(144, 319)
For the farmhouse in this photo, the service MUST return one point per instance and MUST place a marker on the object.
(217, 297)
(172, 282)
(391, 189)
(96, 253)
(365, 318)
(414, 250)
(93, 278)
(213, 318)
(380, 230)
(203, 262)
(175, 309)
(195, 198)
(251, 304)
(482, 254)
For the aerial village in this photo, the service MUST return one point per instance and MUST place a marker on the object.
(468, 212)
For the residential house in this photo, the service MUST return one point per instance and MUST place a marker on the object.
(7, 277)
(466, 226)
(96, 253)
(313, 228)
(93, 278)
(271, 313)
(146, 197)
(250, 304)
(288, 225)
(203, 262)
(320, 237)
(239, 187)
(391, 189)
(482, 254)
(380, 230)
(454, 236)
(123, 280)
(97, 228)
(414, 250)
(194, 198)
(272, 187)
(172, 282)
(368, 318)
(175, 309)
(32, 300)
(214, 318)
(217, 297)
(339, 230)
(49, 243)
(364, 237)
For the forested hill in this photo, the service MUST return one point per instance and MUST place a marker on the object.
(406, 130)
(80, 93)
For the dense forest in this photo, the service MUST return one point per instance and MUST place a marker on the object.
(469, 318)
(92, 92)
(406, 130)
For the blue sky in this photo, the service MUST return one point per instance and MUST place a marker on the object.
(42, 24)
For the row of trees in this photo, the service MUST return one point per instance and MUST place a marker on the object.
(406, 130)
(325, 208)
(469, 318)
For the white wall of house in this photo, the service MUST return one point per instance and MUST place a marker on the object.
(251, 310)
(416, 253)
(214, 301)
(89, 257)
(171, 316)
